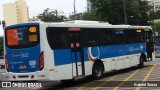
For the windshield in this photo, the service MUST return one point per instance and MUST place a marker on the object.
(22, 37)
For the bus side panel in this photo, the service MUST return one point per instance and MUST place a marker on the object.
(105, 53)
(58, 64)
(48, 54)
(135, 51)
(128, 55)
(63, 64)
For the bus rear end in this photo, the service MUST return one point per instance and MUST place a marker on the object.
(23, 56)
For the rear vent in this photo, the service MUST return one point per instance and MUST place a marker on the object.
(23, 76)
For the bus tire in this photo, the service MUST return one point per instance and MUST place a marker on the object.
(67, 81)
(97, 72)
(141, 62)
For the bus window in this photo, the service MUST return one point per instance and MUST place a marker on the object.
(149, 37)
(144, 36)
(21, 36)
(57, 37)
(12, 38)
(97, 36)
(120, 36)
(131, 36)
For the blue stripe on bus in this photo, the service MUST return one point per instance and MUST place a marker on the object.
(62, 57)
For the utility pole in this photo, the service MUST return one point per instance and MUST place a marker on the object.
(74, 9)
(124, 8)
(3, 24)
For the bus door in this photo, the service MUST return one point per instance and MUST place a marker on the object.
(149, 44)
(76, 53)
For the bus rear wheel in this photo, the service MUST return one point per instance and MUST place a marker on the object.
(97, 71)
(141, 62)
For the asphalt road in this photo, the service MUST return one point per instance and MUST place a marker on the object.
(127, 79)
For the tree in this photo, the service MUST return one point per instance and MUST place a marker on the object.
(51, 16)
(157, 26)
(88, 16)
(143, 9)
(155, 15)
(112, 11)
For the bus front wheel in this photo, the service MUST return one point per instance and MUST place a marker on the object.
(97, 72)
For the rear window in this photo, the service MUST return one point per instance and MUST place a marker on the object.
(22, 37)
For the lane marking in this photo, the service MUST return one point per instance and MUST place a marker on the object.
(148, 74)
(85, 85)
(116, 88)
(3, 73)
(126, 79)
(80, 88)
(104, 82)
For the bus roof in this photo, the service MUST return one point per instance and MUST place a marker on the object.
(22, 24)
(94, 24)
(79, 23)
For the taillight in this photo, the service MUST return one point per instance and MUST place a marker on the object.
(41, 63)
(6, 63)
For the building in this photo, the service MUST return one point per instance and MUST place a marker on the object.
(150, 2)
(14, 13)
(156, 5)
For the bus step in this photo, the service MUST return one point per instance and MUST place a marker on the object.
(79, 77)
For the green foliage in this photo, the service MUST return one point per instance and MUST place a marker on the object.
(88, 16)
(157, 26)
(155, 15)
(51, 16)
(112, 11)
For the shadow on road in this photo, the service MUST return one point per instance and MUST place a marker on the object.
(79, 83)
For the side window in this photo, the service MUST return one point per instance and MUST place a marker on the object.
(57, 38)
(149, 36)
(130, 36)
(97, 37)
(120, 37)
(105, 37)
(89, 37)
(133, 36)
(141, 36)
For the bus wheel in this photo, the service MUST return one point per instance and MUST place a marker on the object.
(97, 72)
(141, 63)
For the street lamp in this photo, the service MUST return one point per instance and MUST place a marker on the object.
(74, 8)
(125, 16)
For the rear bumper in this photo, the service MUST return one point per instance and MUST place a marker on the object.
(32, 76)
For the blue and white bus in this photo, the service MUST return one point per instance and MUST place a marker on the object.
(74, 50)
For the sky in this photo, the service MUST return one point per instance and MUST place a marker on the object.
(38, 6)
